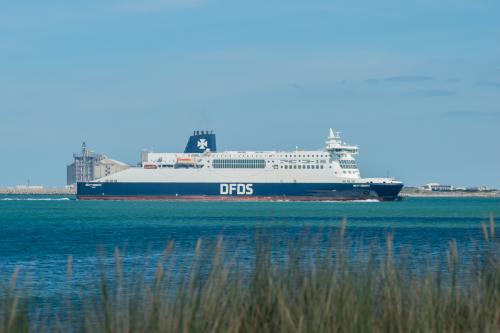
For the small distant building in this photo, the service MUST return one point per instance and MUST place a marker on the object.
(23, 189)
(28, 188)
(478, 189)
(435, 187)
(88, 166)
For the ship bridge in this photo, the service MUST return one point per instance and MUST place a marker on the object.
(334, 145)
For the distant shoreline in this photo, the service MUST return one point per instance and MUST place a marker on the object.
(453, 194)
(44, 191)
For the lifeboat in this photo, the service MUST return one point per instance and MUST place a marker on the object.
(150, 166)
(184, 160)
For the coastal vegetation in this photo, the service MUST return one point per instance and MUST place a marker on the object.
(307, 288)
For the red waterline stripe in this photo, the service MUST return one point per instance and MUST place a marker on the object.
(220, 198)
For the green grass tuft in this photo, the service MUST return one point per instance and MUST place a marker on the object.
(326, 290)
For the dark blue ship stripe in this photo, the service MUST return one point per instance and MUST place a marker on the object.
(341, 191)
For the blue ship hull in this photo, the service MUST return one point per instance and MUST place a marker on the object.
(238, 192)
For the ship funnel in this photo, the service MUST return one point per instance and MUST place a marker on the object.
(200, 142)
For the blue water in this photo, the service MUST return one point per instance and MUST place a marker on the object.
(39, 233)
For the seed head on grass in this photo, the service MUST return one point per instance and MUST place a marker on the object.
(307, 290)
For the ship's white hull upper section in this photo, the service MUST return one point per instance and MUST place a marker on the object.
(258, 167)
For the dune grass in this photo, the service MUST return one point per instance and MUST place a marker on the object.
(325, 290)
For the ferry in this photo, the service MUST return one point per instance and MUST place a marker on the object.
(203, 173)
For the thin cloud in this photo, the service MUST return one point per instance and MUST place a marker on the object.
(409, 78)
(472, 114)
(435, 93)
(296, 86)
(494, 84)
(13, 114)
(453, 80)
(429, 93)
(157, 5)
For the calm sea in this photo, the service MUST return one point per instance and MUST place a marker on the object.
(39, 233)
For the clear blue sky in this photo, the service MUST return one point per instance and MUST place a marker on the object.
(415, 83)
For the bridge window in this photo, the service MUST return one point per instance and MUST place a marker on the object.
(238, 164)
(347, 164)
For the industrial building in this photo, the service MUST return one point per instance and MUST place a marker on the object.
(88, 166)
(107, 166)
(437, 187)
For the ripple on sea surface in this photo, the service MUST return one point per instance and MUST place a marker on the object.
(39, 235)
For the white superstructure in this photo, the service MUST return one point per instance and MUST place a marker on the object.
(336, 164)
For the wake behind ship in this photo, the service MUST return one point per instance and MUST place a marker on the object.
(202, 173)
